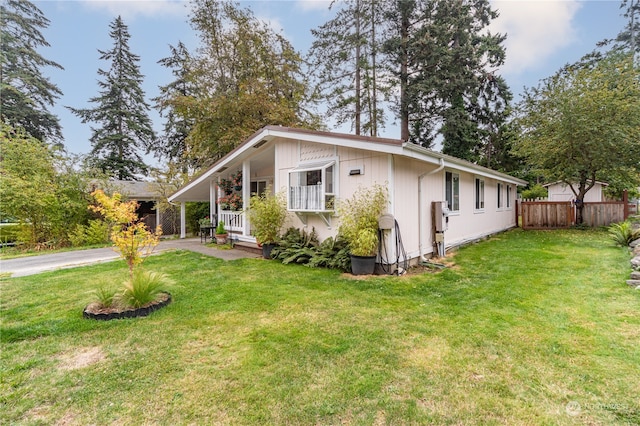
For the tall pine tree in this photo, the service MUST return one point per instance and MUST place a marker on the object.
(441, 56)
(26, 94)
(124, 129)
(345, 61)
(173, 143)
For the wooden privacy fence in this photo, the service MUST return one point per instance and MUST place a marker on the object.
(562, 214)
(547, 214)
(602, 214)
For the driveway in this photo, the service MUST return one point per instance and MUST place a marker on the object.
(31, 265)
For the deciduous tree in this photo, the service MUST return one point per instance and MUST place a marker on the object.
(40, 187)
(583, 124)
(247, 76)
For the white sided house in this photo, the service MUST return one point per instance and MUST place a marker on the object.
(317, 169)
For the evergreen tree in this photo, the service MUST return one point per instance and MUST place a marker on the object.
(345, 60)
(121, 111)
(441, 52)
(628, 38)
(26, 94)
(173, 143)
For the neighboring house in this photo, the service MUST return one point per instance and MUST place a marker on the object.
(146, 197)
(560, 191)
(317, 169)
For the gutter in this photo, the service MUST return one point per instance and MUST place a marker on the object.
(420, 178)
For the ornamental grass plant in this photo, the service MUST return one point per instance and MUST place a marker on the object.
(359, 219)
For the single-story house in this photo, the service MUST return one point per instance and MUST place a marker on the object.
(560, 191)
(315, 169)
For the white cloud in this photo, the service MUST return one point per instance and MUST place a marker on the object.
(131, 9)
(536, 29)
(313, 5)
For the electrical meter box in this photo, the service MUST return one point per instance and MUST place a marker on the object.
(386, 222)
(441, 216)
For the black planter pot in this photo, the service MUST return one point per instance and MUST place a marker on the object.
(363, 265)
(266, 250)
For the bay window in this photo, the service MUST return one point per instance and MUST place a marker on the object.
(312, 188)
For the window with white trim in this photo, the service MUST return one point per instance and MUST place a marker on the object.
(508, 196)
(452, 190)
(258, 187)
(479, 194)
(312, 188)
(500, 200)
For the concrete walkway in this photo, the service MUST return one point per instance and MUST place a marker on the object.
(31, 265)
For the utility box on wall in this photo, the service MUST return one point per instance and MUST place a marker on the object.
(440, 216)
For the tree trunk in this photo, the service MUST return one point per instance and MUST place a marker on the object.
(358, 107)
(404, 75)
(374, 101)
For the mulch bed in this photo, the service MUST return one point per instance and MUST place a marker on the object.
(98, 312)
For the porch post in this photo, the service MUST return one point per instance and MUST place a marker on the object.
(246, 195)
(158, 215)
(183, 220)
(212, 202)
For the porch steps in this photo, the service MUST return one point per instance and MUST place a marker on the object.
(248, 247)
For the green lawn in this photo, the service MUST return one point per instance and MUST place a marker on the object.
(526, 328)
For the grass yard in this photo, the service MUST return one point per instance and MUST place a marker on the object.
(526, 328)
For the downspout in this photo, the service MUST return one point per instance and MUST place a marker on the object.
(422, 176)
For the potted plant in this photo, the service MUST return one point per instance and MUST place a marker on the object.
(236, 179)
(359, 226)
(205, 222)
(221, 233)
(267, 213)
(226, 185)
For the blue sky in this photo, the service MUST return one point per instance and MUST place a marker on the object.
(543, 35)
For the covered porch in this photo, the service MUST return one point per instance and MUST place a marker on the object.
(228, 187)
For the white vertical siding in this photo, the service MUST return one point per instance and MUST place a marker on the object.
(400, 174)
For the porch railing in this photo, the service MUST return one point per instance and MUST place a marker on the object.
(233, 221)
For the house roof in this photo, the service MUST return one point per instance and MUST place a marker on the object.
(559, 182)
(198, 188)
(136, 190)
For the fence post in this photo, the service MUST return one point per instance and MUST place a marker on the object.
(625, 200)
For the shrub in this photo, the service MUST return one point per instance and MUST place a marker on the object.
(332, 253)
(624, 233)
(220, 228)
(9, 233)
(267, 213)
(144, 288)
(359, 219)
(96, 232)
(296, 246)
(129, 234)
(534, 192)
